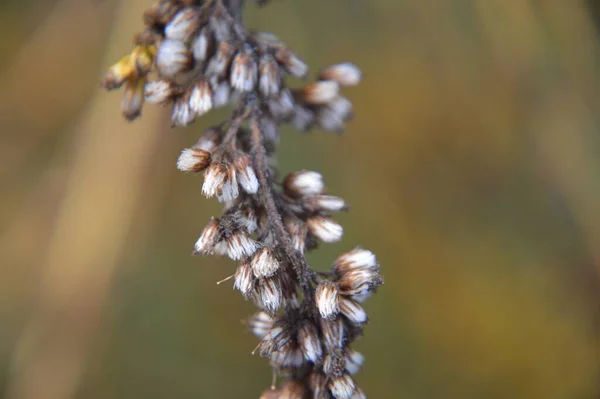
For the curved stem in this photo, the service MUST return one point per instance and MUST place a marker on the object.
(304, 273)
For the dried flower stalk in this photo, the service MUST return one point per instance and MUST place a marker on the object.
(196, 55)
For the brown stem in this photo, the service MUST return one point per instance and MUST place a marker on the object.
(304, 273)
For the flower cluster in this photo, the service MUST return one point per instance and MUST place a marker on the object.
(195, 55)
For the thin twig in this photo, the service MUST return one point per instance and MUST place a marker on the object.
(304, 273)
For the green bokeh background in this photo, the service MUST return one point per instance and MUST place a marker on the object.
(472, 168)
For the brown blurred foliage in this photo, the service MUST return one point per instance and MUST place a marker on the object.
(472, 168)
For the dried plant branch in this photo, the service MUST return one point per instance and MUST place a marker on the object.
(204, 58)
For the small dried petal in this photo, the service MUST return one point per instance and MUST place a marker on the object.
(208, 238)
(172, 58)
(193, 160)
(264, 263)
(201, 98)
(303, 183)
(310, 344)
(321, 92)
(353, 311)
(326, 297)
(260, 324)
(158, 91)
(342, 387)
(183, 25)
(325, 229)
(346, 74)
(244, 279)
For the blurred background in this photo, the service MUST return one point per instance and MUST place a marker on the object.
(472, 169)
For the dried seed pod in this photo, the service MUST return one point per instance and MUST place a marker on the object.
(243, 72)
(325, 203)
(303, 183)
(355, 259)
(353, 361)
(292, 64)
(244, 279)
(202, 45)
(173, 58)
(270, 76)
(210, 139)
(208, 238)
(182, 114)
(264, 263)
(309, 341)
(133, 99)
(342, 387)
(239, 245)
(260, 324)
(183, 25)
(268, 294)
(193, 160)
(274, 340)
(352, 310)
(201, 98)
(245, 173)
(214, 178)
(326, 297)
(219, 63)
(346, 74)
(321, 92)
(325, 229)
(158, 91)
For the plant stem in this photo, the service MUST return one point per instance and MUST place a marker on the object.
(304, 273)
